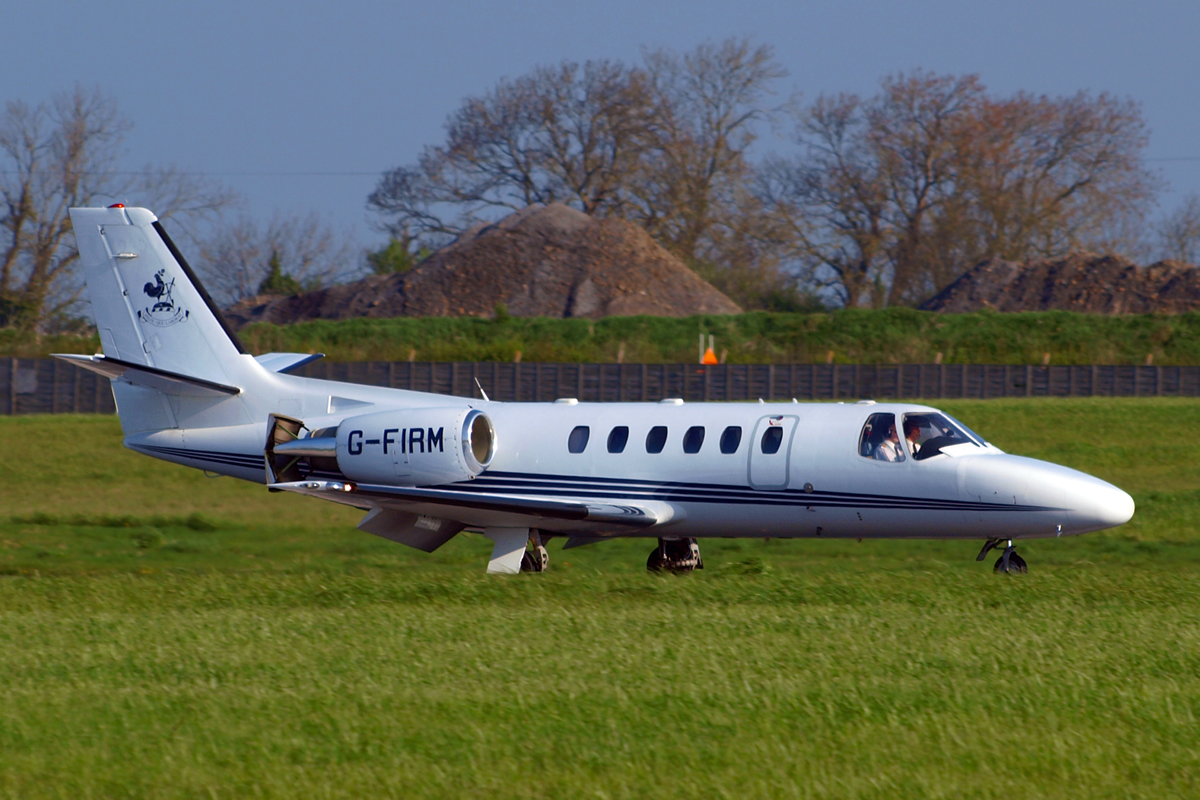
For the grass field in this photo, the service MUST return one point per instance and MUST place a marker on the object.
(167, 635)
(885, 336)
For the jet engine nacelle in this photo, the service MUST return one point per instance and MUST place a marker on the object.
(415, 447)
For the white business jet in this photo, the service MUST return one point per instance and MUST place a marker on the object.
(425, 467)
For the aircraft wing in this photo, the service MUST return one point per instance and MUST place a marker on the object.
(477, 508)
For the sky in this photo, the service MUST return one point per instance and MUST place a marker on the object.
(301, 105)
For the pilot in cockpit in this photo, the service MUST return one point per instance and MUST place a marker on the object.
(889, 448)
(912, 432)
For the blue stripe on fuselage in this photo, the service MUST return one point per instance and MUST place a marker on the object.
(617, 489)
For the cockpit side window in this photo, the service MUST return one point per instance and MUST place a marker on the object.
(927, 433)
(880, 440)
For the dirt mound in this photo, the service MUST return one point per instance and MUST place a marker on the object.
(549, 261)
(1079, 282)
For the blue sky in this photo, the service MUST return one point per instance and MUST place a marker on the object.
(233, 88)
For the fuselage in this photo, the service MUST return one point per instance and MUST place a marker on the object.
(817, 480)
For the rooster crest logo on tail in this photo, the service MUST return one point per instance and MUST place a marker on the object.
(163, 312)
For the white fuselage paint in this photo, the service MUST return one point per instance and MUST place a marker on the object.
(979, 493)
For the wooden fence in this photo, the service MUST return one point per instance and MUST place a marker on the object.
(47, 386)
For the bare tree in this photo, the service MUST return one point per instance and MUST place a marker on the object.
(568, 134)
(897, 195)
(57, 156)
(63, 154)
(864, 199)
(911, 128)
(1050, 175)
(1179, 232)
(831, 203)
(237, 257)
(707, 105)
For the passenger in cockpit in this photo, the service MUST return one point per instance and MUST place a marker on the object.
(889, 448)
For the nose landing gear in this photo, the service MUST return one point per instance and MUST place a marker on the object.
(1009, 563)
(675, 555)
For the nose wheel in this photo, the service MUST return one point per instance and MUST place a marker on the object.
(1009, 562)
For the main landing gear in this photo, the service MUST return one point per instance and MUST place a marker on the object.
(1009, 562)
(675, 555)
(535, 559)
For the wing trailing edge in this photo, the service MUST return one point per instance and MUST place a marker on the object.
(591, 511)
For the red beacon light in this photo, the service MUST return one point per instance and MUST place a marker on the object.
(117, 205)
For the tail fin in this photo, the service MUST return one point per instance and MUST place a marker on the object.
(148, 304)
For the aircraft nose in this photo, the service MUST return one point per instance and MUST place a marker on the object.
(1098, 505)
(1070, 501)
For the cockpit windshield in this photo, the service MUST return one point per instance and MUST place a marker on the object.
(926, 433)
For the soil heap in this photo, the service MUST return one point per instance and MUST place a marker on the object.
(1079, 282)
(549, 261)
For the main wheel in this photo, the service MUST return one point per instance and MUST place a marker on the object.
(535, 560)
(1016, 565)
(657, 561)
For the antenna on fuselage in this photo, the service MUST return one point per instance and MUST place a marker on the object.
(481, 391)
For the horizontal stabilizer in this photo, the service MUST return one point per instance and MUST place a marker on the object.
(287, 362)
(589, 511)
(150, 377)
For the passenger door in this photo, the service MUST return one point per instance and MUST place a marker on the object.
(770, 452)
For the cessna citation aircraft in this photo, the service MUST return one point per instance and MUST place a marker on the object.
(425, 467)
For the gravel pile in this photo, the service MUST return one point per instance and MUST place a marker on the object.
(1080, 282)
(549, 261)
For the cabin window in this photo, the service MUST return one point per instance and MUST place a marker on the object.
(880, 439)
(927, 433)
(578, 439)
(693, 439)
(731, 438)
(771, 439)
(656, 439)
(618, 437)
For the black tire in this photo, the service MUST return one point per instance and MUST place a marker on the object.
(656, 562)
(1016, 565)
(534, 560)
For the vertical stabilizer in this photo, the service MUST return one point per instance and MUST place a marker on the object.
(148, 305)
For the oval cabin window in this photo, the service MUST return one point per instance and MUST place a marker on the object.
(731, 438)
(618, 438)
(656, 439)
(771, 439)
(577, 441)
(693, 439)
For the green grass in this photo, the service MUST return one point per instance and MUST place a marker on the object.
(166, 635)
(896, 335)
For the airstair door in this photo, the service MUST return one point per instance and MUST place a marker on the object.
(771, 451)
